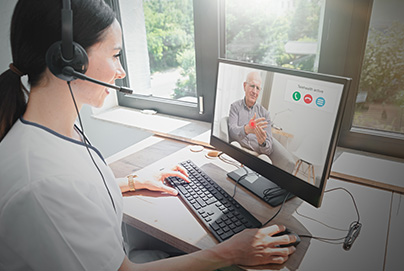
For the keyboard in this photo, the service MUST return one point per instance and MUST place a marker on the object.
(215, 208)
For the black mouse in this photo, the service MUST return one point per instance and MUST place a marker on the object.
(289, 232)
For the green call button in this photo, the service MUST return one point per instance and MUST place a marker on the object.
(296, 95)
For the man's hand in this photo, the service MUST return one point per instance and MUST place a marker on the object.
(261, 135)
(257, 126)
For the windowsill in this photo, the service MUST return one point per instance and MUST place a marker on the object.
(370, 169)
(188, 130)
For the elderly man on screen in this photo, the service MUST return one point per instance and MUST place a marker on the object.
(249, 122)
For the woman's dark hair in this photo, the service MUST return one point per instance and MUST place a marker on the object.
(35, 26)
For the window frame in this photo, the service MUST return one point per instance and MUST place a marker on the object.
(343, 55)
(206, 55)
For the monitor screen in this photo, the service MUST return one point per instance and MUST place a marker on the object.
(281, 124)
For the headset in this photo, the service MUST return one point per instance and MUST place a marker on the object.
(66, 54)
(68, 60)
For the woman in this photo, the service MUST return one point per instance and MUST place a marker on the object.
(60, 205)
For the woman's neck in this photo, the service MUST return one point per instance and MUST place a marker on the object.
(53, 107)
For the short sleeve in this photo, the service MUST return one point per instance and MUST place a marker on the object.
(62, 224)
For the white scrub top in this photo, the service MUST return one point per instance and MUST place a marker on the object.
(55, 211)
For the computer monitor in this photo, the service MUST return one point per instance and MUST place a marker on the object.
(305, 112)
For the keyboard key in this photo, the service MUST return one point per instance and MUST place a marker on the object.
(238, 229)
(201, 202)
(220, 232)
(226, 235)
(226, 229)
(214, 226)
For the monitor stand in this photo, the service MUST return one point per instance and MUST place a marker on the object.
(260, 186)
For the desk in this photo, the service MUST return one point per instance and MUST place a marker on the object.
(167, 218)
(395, 241)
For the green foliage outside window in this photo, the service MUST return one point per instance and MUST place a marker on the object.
(383, 67)
(169, 28)
(186, 85)
(255, 33)
(170, 40)
(382, 80)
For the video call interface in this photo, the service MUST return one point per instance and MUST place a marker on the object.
(300, 111)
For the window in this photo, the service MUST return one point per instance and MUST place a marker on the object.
(380, 99)
(361, 39)
(163, 62)
(374, 119)
(282, 33)
(328, 37)
(170, 46)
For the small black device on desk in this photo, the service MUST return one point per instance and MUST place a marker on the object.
(217, 210)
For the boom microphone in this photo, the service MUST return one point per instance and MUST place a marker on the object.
(69, 71)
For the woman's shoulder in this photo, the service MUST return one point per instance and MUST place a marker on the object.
(30, 161)
(44, 194)
(24, 147)
(19, 137)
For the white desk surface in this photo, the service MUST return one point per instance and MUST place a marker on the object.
(337, 210)
(167, 218)
(395, 241)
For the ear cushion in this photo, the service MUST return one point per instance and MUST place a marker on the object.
(55, 61)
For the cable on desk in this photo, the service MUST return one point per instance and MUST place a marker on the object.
(228, 161)
(238, 180)
(279, 210)
(272, 192)
(327, 240)
(231, 162)
(350, 194)
(318, 221)
(353, 231)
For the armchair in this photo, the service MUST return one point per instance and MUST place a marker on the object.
(280, 156)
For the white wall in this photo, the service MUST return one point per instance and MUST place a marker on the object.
(6, 10)
(134, 32)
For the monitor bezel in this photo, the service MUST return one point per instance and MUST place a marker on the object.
(300, 188)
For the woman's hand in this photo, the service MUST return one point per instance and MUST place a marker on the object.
(155, 182)
(251, 247)
(258, 246)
